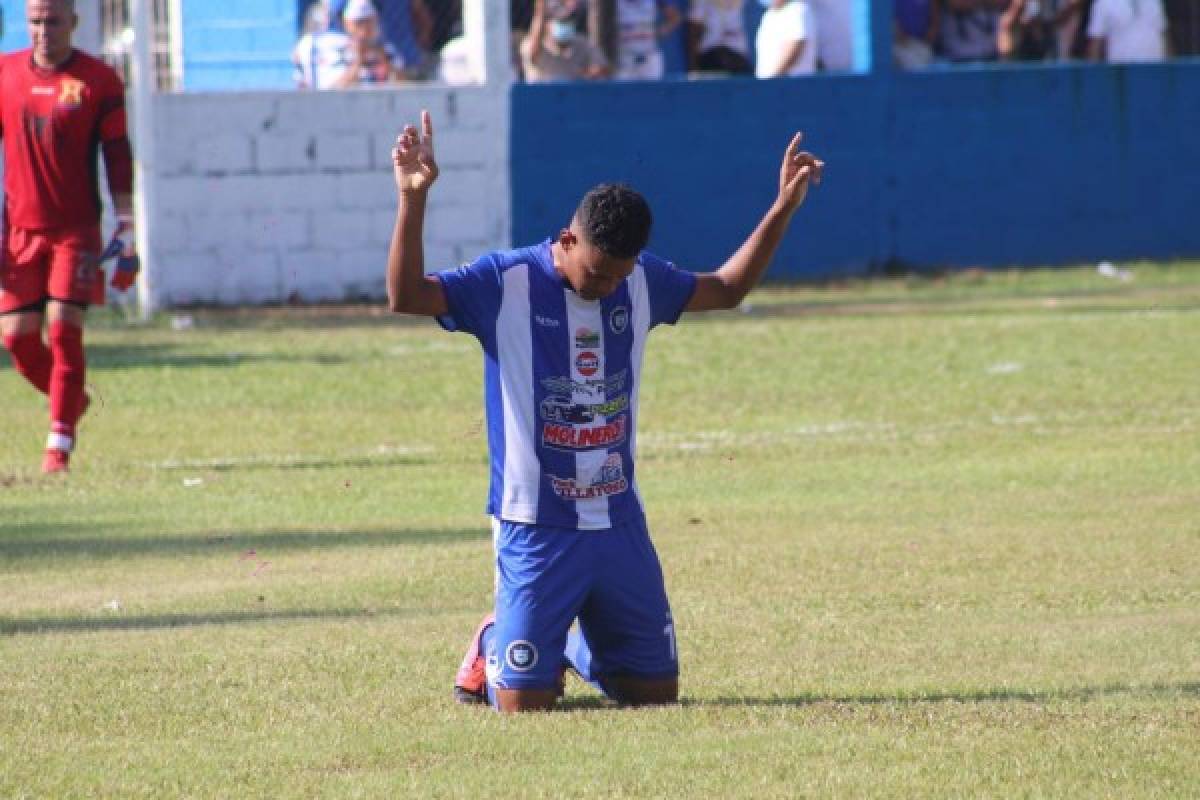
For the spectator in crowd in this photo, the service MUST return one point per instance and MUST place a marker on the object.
(915, 33)
(969, 29)
(786, 41)
(717, 40)
(1035, 30)
(835, 34)
(1183, 25)
(554, 50)
(372, 60)
(639, 56)
(1127, 31)
(1078, 48)
(321, 55)
(332, 59)
(407, 28)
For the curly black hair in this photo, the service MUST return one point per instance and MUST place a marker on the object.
(616, 219)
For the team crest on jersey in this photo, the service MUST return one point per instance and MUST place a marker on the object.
(521, 655)
(618, 319)
(608, 481)
(572, 437)
(70, 92)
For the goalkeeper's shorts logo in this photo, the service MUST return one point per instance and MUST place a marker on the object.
(521, 655)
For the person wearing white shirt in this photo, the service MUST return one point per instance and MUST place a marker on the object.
(786, 41)
(717, 40)
(1127, 31)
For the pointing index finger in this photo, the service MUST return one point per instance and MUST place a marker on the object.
(426, 126)
(795, 144)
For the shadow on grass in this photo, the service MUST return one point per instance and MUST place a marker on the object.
(1078, 301)
(103, 356)
(1009, 695)
(407, 459)
(16, 546)
(117, 621)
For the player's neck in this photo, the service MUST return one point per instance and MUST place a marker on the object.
(556, 259)
(51, 63)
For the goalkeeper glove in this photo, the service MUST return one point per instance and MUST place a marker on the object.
(124, 246)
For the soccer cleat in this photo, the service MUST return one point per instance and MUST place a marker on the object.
(470, 684)
(55, 461)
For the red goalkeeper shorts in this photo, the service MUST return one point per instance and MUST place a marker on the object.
(51, 265)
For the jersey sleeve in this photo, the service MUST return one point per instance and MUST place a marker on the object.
(473, 293)
(668, 287)
(113, 124)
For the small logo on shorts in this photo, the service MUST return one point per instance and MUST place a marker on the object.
(521, 655)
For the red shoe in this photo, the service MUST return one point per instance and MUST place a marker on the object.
(470, 684)
(55, 461)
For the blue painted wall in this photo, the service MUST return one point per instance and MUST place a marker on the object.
(16, 34)
(974, 166)
(238, 44)
(228, 44)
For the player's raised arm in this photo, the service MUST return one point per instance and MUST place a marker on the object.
(732, 281)
(409, 289)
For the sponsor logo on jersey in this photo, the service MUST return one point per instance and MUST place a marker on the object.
(558, 408)
(618, 319)
(71, 92)
(586, 338)
(587, 363)
(608, 480)
(611, 385)
(545, 322)
(521, 655)
(571, 437)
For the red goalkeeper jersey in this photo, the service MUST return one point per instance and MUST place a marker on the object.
(53, 122)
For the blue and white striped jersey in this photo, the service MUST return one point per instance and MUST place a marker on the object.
(561, 379)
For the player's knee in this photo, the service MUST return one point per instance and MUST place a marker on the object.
(521, 700)
(631, 691)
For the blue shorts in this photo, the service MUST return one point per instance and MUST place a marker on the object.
(609, 579)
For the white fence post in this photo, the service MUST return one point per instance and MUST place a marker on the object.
(144, 86)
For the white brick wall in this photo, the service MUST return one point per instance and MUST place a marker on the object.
(266, 197)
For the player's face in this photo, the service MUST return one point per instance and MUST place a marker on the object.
(593, 274)
(51, 25)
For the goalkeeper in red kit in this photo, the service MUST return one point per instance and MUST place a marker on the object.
(59, 107)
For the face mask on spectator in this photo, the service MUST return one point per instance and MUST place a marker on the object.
(562, 30)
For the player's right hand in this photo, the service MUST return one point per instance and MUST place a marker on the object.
(412, 157)
(124, 247)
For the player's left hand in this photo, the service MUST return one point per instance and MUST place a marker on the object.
(799, 169)
(124, 246)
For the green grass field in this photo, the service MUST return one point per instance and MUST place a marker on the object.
(922, 537)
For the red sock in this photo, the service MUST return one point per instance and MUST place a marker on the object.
(66, 377)
(31, 358)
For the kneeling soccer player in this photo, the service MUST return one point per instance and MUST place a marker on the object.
(563, 326)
